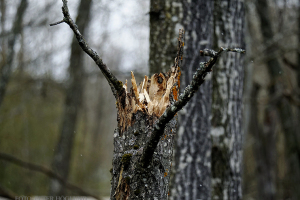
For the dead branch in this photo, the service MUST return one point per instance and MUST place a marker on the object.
(46, 171)
(115, 85)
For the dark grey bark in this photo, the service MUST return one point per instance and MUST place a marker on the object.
(129, 177)
(62, 156)
(8, 53)
(192, 158)
(226, 124)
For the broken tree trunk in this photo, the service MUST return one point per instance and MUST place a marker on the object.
(144, 138)
(134, 174)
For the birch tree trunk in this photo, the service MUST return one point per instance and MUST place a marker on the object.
(227, 130)
(192, 158)
(62, 156)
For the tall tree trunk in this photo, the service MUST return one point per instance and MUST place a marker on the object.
(226, 123)
(164, 27)
(192, 158)
(8, 53)
(62, 156)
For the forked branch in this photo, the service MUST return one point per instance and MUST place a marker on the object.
(117, 86)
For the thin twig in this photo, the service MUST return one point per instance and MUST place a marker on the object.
(212, 53)
(46, 171)
(115, 85)
(189, 91)
(56, 23)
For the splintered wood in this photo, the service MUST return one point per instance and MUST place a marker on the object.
(153, 95)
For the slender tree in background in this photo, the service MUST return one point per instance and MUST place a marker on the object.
(8, 54)
(277, 108)
(62, 156)
(227, 102)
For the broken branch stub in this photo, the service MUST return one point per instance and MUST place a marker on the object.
(152, 96)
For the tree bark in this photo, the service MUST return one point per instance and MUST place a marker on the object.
(62, 156)
(227, 101)
(192, 157)
(164, 26)
(132, 181)
(170, 16)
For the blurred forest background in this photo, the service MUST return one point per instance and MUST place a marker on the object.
(36, 76)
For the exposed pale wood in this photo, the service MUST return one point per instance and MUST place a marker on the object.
(152, 96)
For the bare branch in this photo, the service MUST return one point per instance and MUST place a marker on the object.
(208, 52)
(115, 85)
(212, 53)
(46, 171)
(56, 23)
(189, 91)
